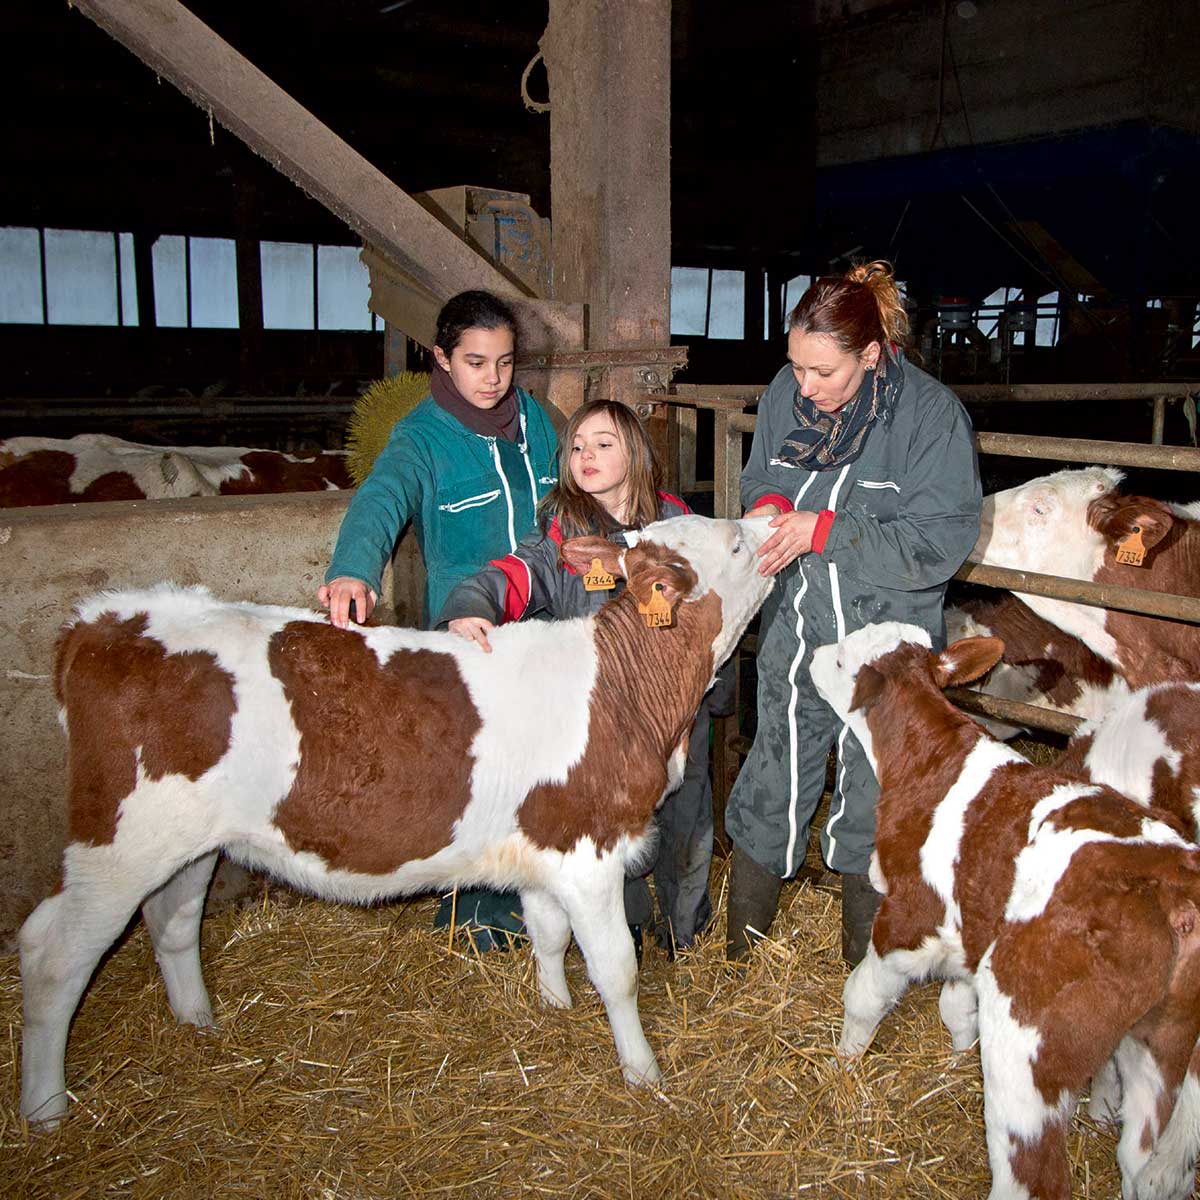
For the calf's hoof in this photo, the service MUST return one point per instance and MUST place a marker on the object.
(648, 1076)
(47, 1115)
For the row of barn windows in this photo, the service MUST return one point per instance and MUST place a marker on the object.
(82, 277)
(711, 303)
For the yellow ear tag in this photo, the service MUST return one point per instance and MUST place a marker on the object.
(598, 579)
(658, 612)
(1131, 551)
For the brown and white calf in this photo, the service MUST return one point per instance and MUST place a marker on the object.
(1148, 747)
(97, 466)
(366, 763)
(1065, 916)
(1041, 664)
(1074, 524)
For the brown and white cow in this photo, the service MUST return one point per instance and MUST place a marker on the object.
(366, 763)
(1041, 665)
(1065, 916)
(1074, 523)
(96, 466)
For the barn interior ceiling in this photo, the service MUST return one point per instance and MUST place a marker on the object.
(428, 90)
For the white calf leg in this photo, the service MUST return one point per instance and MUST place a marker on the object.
(959, 1007)
(550, 931)
(1170, 1171)
(61, 942)
(1141, 1090)
(597, 912)
(872, 990)
(173, 917)
(1104, 1100)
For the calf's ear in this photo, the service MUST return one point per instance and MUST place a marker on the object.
(645, 577)
(579, 554)
(868, 687)
(1117, 517)
(966, 659)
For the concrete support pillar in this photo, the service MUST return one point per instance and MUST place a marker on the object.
(609, 68)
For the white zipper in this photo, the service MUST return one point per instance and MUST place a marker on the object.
(470, 502)
(512, 536)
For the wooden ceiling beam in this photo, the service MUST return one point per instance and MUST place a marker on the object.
(422, 255)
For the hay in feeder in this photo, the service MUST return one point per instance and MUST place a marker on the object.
(361, 1054)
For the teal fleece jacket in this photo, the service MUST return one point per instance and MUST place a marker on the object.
(470, 498)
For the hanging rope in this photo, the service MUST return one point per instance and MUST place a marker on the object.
(532, 105)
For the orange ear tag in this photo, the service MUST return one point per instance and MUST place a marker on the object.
(1131, 551)
(598, 579)
(658, 612)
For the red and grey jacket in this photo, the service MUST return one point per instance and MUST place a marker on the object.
(533, 581)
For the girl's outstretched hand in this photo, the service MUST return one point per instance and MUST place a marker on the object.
(473, 629)
(342, 594)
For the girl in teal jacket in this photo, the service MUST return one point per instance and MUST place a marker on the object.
(467, 466)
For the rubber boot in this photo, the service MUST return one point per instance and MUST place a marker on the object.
(860, 903)
(753, 901)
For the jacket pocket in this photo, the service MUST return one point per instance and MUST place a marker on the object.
(457, 506)
(879, 498)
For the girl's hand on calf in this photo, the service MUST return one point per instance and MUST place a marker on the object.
(473, 629)
(344, 595)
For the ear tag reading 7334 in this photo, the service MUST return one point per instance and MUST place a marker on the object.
(658, 612)
(1131, 551)
(598, 579)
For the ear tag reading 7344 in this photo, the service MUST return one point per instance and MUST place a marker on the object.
(658, 612)
(598, 579)
(1131, 550)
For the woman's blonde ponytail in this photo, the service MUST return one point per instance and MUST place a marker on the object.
(879, 278)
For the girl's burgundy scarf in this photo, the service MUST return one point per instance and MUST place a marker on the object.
(503, 421)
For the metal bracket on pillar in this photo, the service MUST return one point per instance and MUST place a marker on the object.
(627, 371)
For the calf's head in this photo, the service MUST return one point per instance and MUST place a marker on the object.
(1062, 524)
(687, 559)
(853, 675)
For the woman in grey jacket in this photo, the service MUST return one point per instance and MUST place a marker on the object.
(868, 465)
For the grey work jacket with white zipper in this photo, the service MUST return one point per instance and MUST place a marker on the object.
(906, 511)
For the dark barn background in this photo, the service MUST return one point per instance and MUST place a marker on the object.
(1045, 146)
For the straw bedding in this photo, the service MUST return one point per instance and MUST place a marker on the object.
(361, 1054)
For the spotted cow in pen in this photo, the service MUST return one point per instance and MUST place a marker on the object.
(1064, 916)
(1078, 524)
(1041, 664)
(368, 763)
(96, 466)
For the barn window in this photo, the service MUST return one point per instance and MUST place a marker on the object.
(66, 277)
(1047, 320)
(727, 307)
(20, 276)
(992, 308)
(710, 303)
(343, 289)
(314, 287)
(689, 301)
(289, 289)
(195, 282)
(792, 291)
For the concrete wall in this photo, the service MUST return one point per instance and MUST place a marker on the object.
(272, 549)
(1026, 68)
